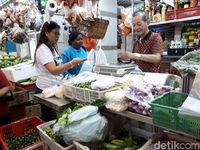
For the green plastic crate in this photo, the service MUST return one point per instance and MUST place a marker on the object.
(165, 109)
(190, 126)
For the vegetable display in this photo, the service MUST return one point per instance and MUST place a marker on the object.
(188, 64)
(122, 142)
(139, 96)
(10, 60)
(86, 85)
(17, 143)
(62, 120)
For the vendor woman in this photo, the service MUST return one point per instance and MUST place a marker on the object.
(74, 50)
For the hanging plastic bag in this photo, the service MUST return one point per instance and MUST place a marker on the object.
(100, 56)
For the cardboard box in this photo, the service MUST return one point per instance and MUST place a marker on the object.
(20, 96)
(18, 73)
(33, 110)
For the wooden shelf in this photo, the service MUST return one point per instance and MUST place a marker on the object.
(174, 21)
(52, 102)
(131, 115)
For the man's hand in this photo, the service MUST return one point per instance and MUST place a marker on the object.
(128, 56)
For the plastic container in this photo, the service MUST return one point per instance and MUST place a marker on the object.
(49, 141)
(18, 128)
(85, 95)
(165, 109)
(189, 126)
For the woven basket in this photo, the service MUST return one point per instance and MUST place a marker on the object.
(98, 28)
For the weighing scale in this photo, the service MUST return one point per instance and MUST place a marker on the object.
(115, 69)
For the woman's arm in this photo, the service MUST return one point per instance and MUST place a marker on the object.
(53, 69)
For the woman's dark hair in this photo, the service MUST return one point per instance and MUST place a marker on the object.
(73, 35)
(47, 27)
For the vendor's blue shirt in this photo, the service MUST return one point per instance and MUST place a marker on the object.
(70, 53)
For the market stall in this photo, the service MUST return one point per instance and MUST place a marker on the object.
(112, 104)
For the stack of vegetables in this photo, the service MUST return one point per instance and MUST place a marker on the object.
(20, 142)
(140, 95)
(10, 60)
(122, 142)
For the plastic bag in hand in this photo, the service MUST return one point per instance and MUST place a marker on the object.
(92, 128)
(103, 84)
(87, 66)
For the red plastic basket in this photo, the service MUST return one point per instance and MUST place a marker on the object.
(18, 128)
(29, 87)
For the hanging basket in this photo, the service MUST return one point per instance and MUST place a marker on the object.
(98, 28)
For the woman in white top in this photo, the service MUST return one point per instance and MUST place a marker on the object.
(47, 61)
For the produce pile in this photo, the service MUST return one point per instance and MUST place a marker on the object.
(188, 64)
(86, 85)
(79, 122)
(19, 142)
(28, 81)
(122, 142)
(140, 95)
(10, 60)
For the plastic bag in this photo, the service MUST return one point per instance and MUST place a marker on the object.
(190, 108)
(85, 77)
(100, 56)
(86, 125)
(128, 20)
(87, 66)
(116, 101)
(77, 15)
(126, 24)
(18, 35)
(103, 84)
(82, 113)
(188, 64)
(49, 92)
(33, 19)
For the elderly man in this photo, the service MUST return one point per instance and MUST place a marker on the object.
(147, 50)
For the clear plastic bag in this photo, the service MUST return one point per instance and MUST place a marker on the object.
(87, 66)
(100, 56)
(190, 108)
(103, 84)
(85, 77)
(116, 101)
